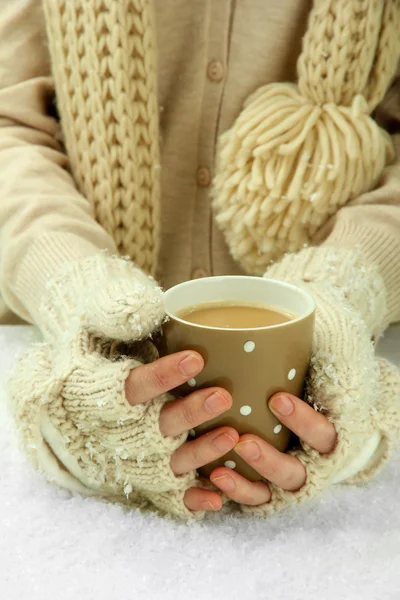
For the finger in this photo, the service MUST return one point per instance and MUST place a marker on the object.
(203, 450)
(148, 381)
(198, 499)
(284, 470)
(309, 425)
(240, 489)
(200, 406)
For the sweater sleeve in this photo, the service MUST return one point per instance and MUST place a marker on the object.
(372, 221)
(44, 221)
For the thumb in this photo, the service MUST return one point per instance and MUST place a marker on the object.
(125, 304)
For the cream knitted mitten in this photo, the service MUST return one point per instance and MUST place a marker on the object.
(68, 393)
(359, 393)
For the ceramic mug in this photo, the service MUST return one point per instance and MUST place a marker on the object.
(252, 364)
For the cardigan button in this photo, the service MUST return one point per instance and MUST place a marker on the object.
(203, 177)
(215, 70)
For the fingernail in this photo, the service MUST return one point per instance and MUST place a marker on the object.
(214, 403)
(224, 442)
(225, 482)
(250, 450)
(190, 365)
(282, 405)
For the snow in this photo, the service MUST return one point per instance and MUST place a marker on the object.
(55, 545)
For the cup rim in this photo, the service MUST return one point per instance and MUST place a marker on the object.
(285, 284)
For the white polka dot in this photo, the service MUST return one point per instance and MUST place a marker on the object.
(277, 428)
(291, 374)
(245, 410)
(192, 433)
(230, 464)
(192, 382)
(249, 346)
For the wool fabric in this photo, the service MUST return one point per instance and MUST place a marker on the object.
(294, 156)
(297, 153)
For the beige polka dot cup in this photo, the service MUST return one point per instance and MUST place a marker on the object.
(252, 364)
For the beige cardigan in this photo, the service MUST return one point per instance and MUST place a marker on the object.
(211, 56)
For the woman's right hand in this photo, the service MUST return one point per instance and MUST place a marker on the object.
(149, 381)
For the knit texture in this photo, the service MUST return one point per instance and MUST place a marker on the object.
(297, 153)
(68, 394)
(359, 393)
(103, 62)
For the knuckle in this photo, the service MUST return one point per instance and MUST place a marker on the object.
(248, 498)
(263, 495)
(305, 430)
(293, 474)
(197, 454)
(160, 378)
(317, 429)
(244, 493)
(325, 437)
(274, 469)
(189, 414)
(289, 478)
(308, 423)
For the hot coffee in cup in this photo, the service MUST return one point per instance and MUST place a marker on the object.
(255, 335)
(233, 315)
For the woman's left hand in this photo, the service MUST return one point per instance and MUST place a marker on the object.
(283, 470)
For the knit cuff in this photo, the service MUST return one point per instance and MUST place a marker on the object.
(346, 271)
(96, 443)
(96, 421)
(43, 259)
(386, 418)
(94, 394)
(369, 454)
(58, 470)
(379, 248)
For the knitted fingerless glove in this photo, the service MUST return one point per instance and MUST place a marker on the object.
(358, 392)
(68, 393)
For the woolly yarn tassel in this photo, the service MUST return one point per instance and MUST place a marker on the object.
(297, 153)
(287, 165)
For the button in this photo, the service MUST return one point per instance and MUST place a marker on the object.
(203, 177)
(199, 273)
(215, 70)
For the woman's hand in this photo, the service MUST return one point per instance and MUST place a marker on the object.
(149, 381)
(281, 469)
(180, 415)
